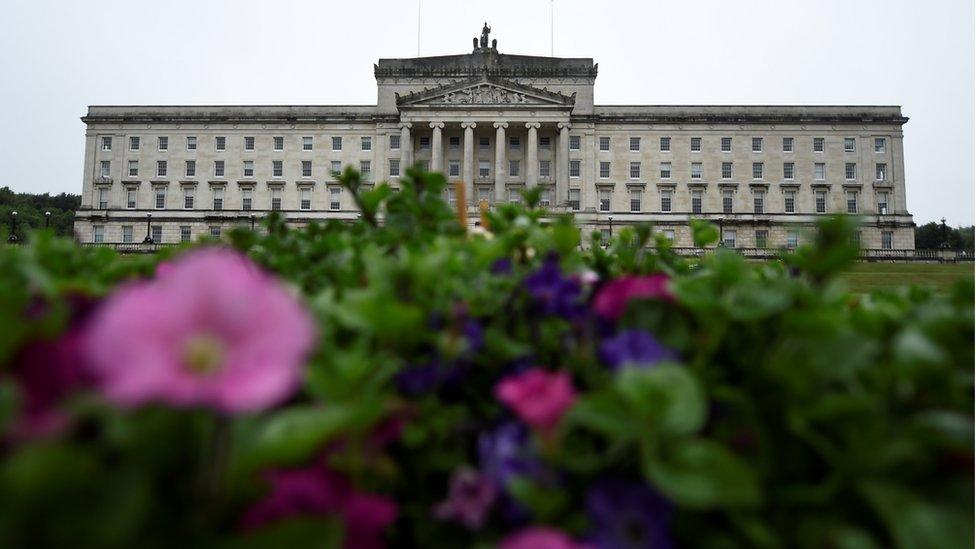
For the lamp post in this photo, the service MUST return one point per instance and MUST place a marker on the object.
(252, 222)
(149, 239)
(945, 234)
(47, 220)
(13, 228)
(610, 220)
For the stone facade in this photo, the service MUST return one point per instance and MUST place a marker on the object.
(500, 123)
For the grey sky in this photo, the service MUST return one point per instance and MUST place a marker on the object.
(57, 57)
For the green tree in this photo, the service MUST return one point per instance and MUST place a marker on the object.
(31, 209)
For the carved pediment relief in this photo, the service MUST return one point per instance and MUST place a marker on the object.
(485, 92)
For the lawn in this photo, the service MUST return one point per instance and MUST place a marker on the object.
(865, 277)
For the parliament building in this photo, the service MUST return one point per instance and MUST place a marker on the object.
(500, 123)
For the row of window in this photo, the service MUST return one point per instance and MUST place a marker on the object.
(758, 170)
(728, 201)
(695, 144)
(307, 143)
(247, 198)
(247, 171)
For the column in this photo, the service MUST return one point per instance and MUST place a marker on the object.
(436, 148)
(406, 147)
(501, 169)
(532, 156)
(562, 165)
(469, 159)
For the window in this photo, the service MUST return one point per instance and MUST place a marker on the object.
(130, 198)
(604, 170)
(305, 196)
(761, 238)
(276, 198)
(787, 144)
(574, 168)
(883, 203)
(604, 144)
(728, 238)
(335, 198)
(454, 168)
(337, 143)
(544, 143)
(133, 143)
(248, 168)
(879, 171)
(757, 170)
(666, 200)
(133, 168)
(162, 143)
(852, 202)
(450, 197)
(757, 143)
(759, 201)
(669, 234)
(514, 196)
(160, 168)
(696, 170)
(635, 170)
(726, 144)
(665, 170)
(696, 202)
(335, 167)
(484, 168)
(218, 168)
(220, 143)
(604, 196)
(635, 200)
(102, 198)
(247, 199)
(127, 234)
(820, 198)
(886, 240)
(277, 168)
(191, 143)
(191, 168)
(545, 198)
(366, 143)
(248, 143)
(218, 198)
(484, 195)
(454, 143)
(879, 144)
(574, 142)
(278, 143)
(160, 197)
(98, 234)
(394, 167)
(819, 171)
(727, 202)
(306, 168)
(792, 239)
(425, 143)
(184, 233)
(308, 143)
(188, 198)
(513, 143)
(106, 143)
(849, 144)
(789, 202)
(157, 233)
(696, 144)
(665, 144)
(818, 144)
(513, 168)
(215, 232)
(850, 171)
(544, 168)
(574, 199)
(788, 169)
(726, 170)
(635, 144)
(105, 169)
(365, 168)
(394, 142)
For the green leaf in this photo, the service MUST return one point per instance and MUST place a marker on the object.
(604, 413)
(300, 532)
(702, 474)
(703, 233)
(666, 397)
(916, 523)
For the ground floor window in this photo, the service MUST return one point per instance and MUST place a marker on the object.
(98, 234)
(761, 238)
(185, 233)
(792, 239)
(157, 234)
(728, 238)
(886, 239)
(127, 234)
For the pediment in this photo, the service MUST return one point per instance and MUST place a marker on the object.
(485, 91)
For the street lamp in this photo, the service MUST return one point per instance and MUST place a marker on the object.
(945, 235)
(13, 228)
(149, 239)
(610, 219)
(47, 220)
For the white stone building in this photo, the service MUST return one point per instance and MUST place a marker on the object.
(500, 123)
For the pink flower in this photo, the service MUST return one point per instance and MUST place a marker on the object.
(611, 300)
(471, 497)
(213, 330)
(539, 537)
(539, 397)
(366, 517)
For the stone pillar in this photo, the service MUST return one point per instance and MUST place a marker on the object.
(469, 159)
(406, 147)
(436, 148)
(500, 165)
(532, 156)
(562, 165)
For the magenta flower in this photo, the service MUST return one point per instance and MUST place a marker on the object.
(539, 537)
(213, 330)
(470, 499)
(366, 516)
(611, 300)
(540, 398)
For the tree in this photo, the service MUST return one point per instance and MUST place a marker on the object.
(31, 210)
(931, 236)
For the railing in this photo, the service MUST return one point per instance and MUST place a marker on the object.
(942, 256)
(129, 248)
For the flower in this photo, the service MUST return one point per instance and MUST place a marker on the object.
(611, 300)
(471, 497)
(539, 537)
(213, 330)
(506, 453)
(634, 348)
(553, 293)
(366, 516)
(540, 398)
(627, 515)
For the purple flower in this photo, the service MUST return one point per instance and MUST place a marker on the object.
(506, 453)
(634, 348)
(471, 497)
(442, 372)
(627, 515)
(553, 293)
(502, 266)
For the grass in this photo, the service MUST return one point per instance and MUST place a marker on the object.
(867, 277)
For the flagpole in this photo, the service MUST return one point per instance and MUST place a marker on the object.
(418, 28)
(552, 47)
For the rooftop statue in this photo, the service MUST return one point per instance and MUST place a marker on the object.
(485, 31)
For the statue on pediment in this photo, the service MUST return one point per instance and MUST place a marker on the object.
(484, 35)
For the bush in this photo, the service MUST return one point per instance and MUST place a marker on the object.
(401, 380)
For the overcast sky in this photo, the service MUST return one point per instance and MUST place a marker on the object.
(57, 57)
